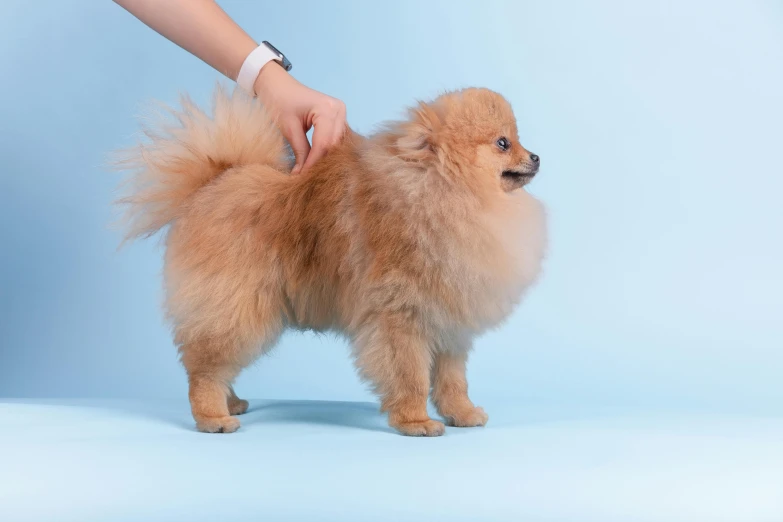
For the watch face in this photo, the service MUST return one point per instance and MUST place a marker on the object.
(283, 60)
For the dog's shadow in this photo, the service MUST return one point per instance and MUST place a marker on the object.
(270, 413)
(260, 414)
(359, 415)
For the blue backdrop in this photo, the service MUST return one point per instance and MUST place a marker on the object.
(659, 128)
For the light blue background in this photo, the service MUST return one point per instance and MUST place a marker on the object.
(658, 124)
(641, 379)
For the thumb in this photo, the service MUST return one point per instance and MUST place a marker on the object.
(299, 144)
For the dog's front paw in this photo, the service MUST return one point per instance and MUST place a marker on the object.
(426, 428)
(466, 417)
(225, 424)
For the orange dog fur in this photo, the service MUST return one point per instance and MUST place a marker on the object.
(410, 242)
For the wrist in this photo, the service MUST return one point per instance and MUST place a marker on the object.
(251, 75)
(269, 78)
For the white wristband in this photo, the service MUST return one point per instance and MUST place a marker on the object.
(252, 66)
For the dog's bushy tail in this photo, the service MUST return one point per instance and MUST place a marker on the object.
(182, 156)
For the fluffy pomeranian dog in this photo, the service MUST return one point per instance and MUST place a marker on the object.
(409, 242)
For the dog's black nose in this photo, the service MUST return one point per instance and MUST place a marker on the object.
(535, 159)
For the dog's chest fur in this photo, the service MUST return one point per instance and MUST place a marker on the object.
(464, 270)
(494, 259)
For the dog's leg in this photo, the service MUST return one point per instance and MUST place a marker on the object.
(212, 365)
(450, 390)
(211, 369)
(236, 406)
(394, 356)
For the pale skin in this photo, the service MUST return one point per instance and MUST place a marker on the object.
(202, 28)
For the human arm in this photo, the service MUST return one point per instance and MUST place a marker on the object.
(202, 28)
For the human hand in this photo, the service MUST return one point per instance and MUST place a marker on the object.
(299, 108)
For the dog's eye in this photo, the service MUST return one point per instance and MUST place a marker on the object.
(503, 144)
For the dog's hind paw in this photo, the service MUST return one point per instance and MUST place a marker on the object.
(427, 428)
(237, 406)
(225, 424)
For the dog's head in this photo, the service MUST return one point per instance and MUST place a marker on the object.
(470, 136)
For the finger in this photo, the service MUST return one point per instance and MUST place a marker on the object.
(327, 133)
(328, 130)
(322, 140)
(339, 125)
(299, 145)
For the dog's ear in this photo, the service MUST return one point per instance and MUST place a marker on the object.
(419, 137)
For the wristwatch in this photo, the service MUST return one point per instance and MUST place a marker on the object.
(255, 61)
(281, 59)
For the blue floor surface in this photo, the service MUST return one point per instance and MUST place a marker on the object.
(81, 460)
